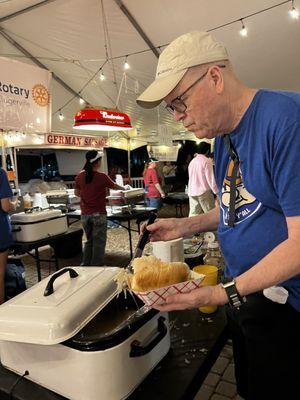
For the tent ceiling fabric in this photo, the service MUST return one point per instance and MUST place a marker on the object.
(67, 36)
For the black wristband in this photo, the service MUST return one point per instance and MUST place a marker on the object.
(234, 298)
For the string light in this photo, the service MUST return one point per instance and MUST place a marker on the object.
(294, 13)
(126, 65)
(102, 76)
(243, 31)
(61, 116)
(81, 101)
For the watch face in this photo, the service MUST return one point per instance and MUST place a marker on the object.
(234, 298)
(228, 284)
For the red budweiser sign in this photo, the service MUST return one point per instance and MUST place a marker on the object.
(93, 119)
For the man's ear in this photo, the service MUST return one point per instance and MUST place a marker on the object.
(217, 78)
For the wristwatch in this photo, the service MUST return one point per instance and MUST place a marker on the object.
(234, 298)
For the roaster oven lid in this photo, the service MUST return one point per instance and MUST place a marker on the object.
(32, 317)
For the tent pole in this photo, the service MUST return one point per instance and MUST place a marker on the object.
(135, 24)
(16, 167)
(128, 158)
(3, 152)
(36, 61)
(25, 10)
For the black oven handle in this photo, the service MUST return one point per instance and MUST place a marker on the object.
(138, 350)
(49, 288)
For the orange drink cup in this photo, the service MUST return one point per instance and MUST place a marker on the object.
(211, 278)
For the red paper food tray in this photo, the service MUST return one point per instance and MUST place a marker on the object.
(158, 296)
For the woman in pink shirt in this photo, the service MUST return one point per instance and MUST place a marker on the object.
(153, 182)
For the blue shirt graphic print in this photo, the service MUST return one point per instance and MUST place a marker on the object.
(267, 141)
(245, 203)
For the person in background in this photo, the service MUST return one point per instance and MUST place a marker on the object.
(202, 182)
(91, 186)
(112, 173)
(6, 205)
(169, 171)
(257, 170)
(182, 174)
(153, 184)
(159, 170)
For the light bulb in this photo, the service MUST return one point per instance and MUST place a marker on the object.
(126, 65)
(61, 116)
(294, 13)
(81, 101)
(244, 30)
(102, 77)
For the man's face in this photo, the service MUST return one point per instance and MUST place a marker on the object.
(204, 111)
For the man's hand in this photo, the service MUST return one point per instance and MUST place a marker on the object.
(173, 228)
(203, 296)
(166, 229)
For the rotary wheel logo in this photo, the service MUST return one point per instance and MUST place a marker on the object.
(41, 95)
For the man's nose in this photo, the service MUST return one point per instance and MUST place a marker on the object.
(179, 116)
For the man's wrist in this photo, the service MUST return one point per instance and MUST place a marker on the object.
(221, 295)
(235, 300)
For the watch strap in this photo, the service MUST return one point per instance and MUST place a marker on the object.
(234, 298)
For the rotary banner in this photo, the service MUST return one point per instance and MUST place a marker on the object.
(25, 102)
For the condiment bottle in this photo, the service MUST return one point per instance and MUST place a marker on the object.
(27, 201)
(214, 257)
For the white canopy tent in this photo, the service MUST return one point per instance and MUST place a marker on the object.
(75, 38)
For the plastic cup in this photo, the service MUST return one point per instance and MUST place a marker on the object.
(211, 278)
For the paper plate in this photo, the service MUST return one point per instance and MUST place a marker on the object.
(158, 296)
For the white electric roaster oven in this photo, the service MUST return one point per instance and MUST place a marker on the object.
(71, 332)
(37, 224)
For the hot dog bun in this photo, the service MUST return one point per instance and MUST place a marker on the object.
(151, 273)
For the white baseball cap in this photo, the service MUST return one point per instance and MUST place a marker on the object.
(191, 49)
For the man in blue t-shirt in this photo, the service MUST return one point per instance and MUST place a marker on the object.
(6, 205)
(257, 168)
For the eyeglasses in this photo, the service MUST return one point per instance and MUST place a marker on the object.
(177, 104)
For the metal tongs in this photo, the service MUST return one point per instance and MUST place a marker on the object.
(143, 239)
